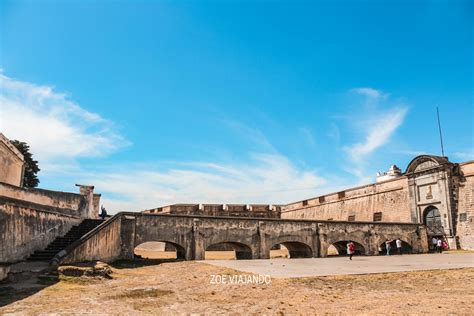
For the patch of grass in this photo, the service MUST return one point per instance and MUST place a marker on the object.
(77, 280)
(139, 262)
(142, 293)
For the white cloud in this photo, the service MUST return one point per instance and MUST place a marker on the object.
(55, 127)
(379, 130)
(265, 179)
(465, 155)
(369, 92)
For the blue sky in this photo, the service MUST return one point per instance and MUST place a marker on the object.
(158, 102)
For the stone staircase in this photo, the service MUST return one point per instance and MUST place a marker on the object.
(61, 243)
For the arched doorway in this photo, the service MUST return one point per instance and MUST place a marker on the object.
(291, 249)
(340, 248)
(228, 250)
(432, 220)
(159, 250)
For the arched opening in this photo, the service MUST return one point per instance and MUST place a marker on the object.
(432, 220)
(291, 249)
(228, 251)
(406, 248)
(340, 249)
(279, 251)
(159, 250)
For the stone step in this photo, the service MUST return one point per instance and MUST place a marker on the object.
(60, 243)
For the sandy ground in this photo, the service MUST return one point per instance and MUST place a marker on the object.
(186, 287)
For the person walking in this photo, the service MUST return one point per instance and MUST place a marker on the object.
(439, 245)
(445, 245)
(388, 247)
(434, 244)
(350, 249)
(399, 246)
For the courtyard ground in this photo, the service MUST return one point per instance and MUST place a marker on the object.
(187, 287)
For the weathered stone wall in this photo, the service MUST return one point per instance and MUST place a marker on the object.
(389, 197)
(71, 203)
(237, 210)
(465, 213)
(31, 218)
(11, 163)
(25, 228)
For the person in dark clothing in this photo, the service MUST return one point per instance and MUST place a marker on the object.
(103, 213)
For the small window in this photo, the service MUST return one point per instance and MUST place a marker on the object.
(305, 202)
(322, 199)
(330, 219)
(341, 194)
(378, 217)
(351, 218)
(463, 217)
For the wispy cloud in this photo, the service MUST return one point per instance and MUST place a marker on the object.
(55, 127)
(369, 92)
(379, 130)
(377, 123)
(266, 178)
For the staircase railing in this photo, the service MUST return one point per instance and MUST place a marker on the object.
(63, 253)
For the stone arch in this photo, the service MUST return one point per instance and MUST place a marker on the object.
(341, 247)
(406, 248)
(242, 251)
(161, 246)
(424, 162)
(296, 249)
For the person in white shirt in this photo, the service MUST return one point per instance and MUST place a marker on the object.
(434, 243)
(399, 246)
(439, 245)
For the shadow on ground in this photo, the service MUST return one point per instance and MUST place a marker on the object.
(13, 291)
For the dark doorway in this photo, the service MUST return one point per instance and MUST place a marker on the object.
(432, 220)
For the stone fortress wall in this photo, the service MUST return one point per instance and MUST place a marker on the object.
(11, 163)
(31, 218)
(386, 201)
(432, 189)
(465, 211)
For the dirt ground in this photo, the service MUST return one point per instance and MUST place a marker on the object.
(185, 287)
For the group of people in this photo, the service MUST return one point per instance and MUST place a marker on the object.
(439, 244)
(388, 246)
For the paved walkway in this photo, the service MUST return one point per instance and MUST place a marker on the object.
(288, 268)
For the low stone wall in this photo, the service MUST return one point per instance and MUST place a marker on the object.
(234, 210)
(70, 203)
(26, 227)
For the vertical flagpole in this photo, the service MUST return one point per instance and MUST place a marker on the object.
(440, 134)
